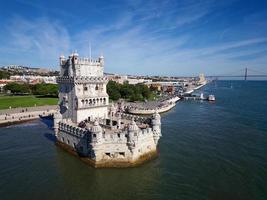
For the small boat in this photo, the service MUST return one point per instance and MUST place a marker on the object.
(201, 96)
(211, 97)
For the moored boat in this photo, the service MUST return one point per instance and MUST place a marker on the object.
(211, 97)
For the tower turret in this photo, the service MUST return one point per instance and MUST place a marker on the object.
(75, 57)
(101, 60)
(132, 133)
(96, 141)
(61, 59)
(156, 127)
(57, 119)
(96, 131)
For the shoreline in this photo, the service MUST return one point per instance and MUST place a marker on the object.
(10, 123)
(21, 115)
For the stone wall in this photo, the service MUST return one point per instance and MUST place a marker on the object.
(105, 146)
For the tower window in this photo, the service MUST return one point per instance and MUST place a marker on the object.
(107, 154)
(122, 154)
(85, 88)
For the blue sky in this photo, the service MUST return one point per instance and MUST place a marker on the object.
(149, 37)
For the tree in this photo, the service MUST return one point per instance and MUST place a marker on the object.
(113, 90)
(17, 88)
(126, 91)
(4, 75)
(139, 92)
(45, 89)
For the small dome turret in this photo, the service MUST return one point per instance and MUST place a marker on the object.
(156, 115)
(96, 127)
(101, 59)
(112, 107)
(61, 57)
(75, 54)
(133, 126)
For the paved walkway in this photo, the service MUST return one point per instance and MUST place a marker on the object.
(9, 116)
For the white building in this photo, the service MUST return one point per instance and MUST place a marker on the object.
(32, 79)
(87, 125)
(124, 78)
(134, 81)
(202, 80)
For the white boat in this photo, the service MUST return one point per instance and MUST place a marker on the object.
(211, 97)
(189, 91)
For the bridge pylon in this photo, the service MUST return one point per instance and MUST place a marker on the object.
(246, 73)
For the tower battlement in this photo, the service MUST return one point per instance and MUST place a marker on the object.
(76, 66)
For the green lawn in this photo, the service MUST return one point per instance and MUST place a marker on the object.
(25, 101)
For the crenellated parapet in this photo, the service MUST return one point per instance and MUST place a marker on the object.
(82, 79)
(72, 130)
(88, 61)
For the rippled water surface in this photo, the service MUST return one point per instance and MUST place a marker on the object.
(208, 151)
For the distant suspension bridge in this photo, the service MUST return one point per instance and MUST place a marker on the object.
(242, 73)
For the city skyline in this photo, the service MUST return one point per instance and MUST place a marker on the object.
(138, 37)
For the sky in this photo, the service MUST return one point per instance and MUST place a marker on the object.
(139, 37)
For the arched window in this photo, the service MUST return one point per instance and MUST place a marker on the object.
(85, 88)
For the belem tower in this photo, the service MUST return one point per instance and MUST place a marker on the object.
(100, 133)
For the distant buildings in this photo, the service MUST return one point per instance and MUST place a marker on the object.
(24, 70)
(201, 79)
(124, 78)
(29, 75)
(34, 79)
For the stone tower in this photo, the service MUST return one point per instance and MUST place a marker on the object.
(82, 88)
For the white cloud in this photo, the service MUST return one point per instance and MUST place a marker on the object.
(141, 40)
(40, 39)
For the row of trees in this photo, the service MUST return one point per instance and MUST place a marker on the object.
(138, 92)
(38, 89)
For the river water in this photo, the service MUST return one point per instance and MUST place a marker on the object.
(208, 151)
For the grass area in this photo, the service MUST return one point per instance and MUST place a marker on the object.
(26, 101)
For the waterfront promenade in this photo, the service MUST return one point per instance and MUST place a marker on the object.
(18, 115)
(148, 108)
